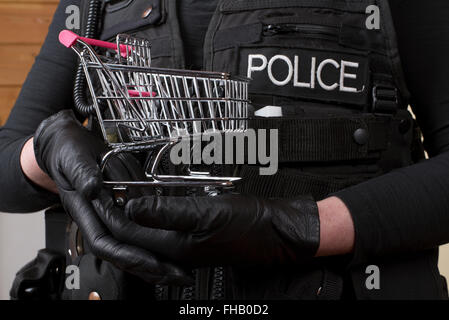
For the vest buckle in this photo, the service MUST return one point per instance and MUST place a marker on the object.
(385, 99)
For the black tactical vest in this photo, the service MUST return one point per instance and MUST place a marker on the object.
(344, 100)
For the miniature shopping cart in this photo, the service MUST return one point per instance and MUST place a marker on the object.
(141, 109)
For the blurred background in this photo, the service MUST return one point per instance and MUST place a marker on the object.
(23, 26)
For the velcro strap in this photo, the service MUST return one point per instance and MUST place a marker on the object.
(288, 183)
(357, 137)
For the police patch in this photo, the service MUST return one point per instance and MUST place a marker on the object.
(304, 73)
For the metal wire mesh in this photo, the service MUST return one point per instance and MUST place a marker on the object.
(158, 105)
(141, 108)
(133, 51)
(137, 103)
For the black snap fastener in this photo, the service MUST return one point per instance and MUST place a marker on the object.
(361, 136)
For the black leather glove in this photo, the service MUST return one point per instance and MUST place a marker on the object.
(69, 153)
(228, 230)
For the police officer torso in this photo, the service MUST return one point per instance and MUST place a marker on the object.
(339, 82)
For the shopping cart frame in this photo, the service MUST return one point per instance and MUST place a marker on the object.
(92, 62)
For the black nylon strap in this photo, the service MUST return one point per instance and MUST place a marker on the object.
(287, 183)
(388, 29)
(229, 6)
(56, 221)
(328, 139)
(385, 94)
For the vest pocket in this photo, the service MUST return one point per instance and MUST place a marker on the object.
(300, 29)
(300, 72)
(294, 51)
(128, 16)
(141, 19)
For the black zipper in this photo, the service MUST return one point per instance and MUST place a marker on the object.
(305, 29)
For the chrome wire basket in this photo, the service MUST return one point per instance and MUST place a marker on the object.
(140, 108)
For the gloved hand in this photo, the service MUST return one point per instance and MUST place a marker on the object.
(227, 230)
(69, 153)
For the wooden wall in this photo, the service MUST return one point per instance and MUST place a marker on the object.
(23, 27)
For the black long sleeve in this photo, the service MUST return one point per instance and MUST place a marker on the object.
(47, 89)
(408, 209)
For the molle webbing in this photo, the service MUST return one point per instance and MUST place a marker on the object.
(328, 139)
(287, 183)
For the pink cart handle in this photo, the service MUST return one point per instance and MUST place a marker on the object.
(135, 93)
(69, 38)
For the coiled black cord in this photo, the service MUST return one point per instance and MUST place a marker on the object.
(79, 90)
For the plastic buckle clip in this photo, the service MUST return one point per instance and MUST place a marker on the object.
(385, 99)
